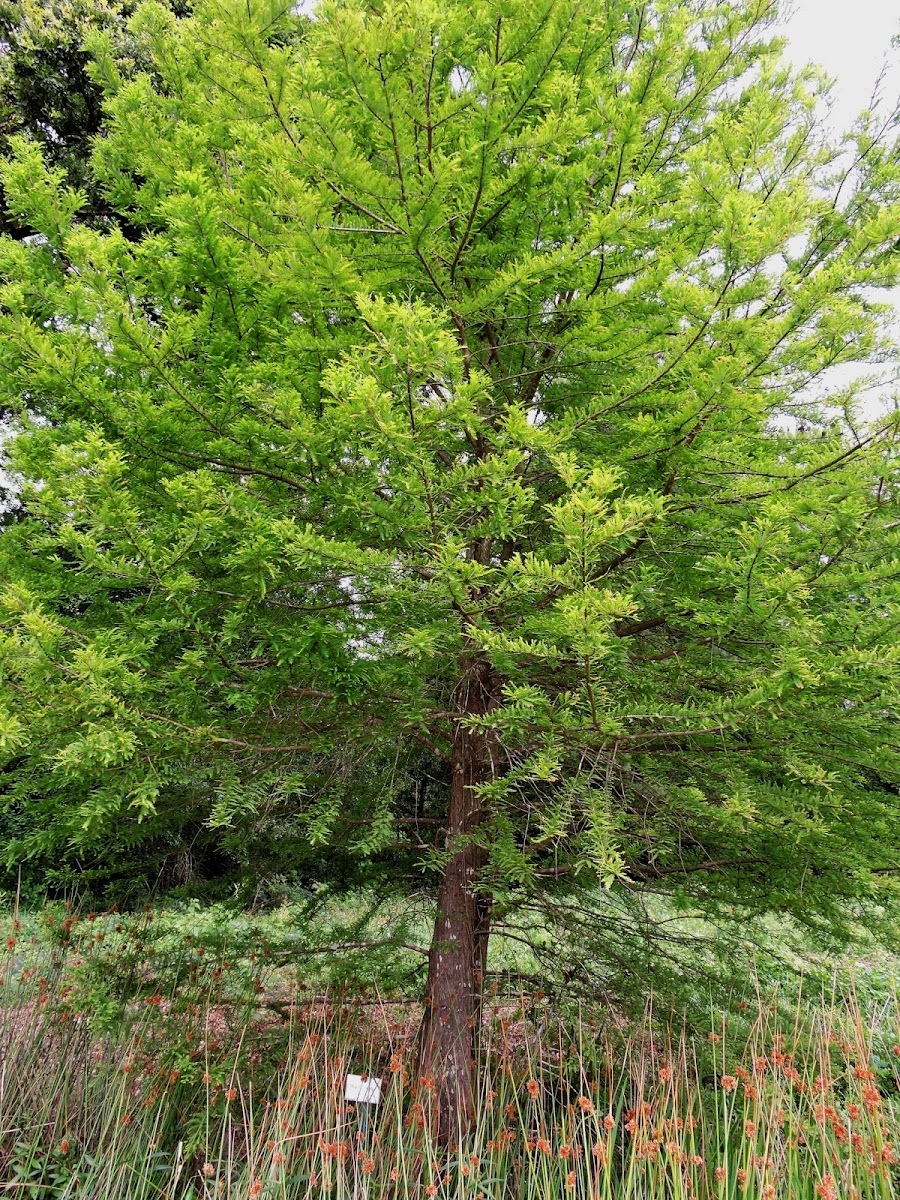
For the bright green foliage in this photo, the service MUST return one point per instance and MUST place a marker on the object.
(47, 92)
(463, 329)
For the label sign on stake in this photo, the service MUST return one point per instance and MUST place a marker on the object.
(362, 1089)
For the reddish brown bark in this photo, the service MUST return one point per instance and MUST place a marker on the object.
(458, 954)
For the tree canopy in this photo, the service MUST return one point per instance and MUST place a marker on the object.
(465, 400)
(46, 90)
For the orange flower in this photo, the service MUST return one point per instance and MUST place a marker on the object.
(64, 1147)
(720, 1173)
(368, 1166)
(543, 1145)
(742, 1177)
(565, 1152)
(826, 1189)
(600, 1154)
(431, 1190)
(533, 1088)
(208, 1170)
(729, 1083)
(570, 1179)
(586, 1104)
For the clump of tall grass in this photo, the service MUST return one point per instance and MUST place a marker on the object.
(230, 1083)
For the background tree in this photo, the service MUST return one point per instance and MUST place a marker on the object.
(48, 94)
(46, 89)
(458, 398)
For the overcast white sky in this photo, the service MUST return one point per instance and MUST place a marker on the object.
(851, 39)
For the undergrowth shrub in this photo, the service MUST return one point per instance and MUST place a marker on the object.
(131, 1073)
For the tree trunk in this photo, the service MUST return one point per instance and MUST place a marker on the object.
(458, 953)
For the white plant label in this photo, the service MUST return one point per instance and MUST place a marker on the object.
(362, 1089)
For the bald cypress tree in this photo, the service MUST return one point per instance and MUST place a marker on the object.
(462, 396)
